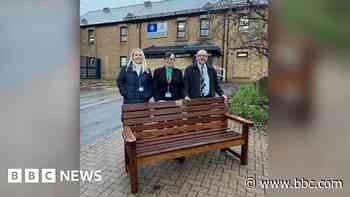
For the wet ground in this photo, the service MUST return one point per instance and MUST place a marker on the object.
(99, 114)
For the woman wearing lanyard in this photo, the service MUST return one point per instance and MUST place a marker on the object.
(135, 80)
(167, 80)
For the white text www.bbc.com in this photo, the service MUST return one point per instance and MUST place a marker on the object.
(294, 183)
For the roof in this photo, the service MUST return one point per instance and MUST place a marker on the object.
(157, 9)
(189, 48)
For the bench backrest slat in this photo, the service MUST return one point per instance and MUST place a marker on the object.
(149, 120)
(176, 123)
(170, 117)
(168, 111)
(182, 129)
(169, 104)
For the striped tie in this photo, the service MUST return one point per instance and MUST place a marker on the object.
(202, 81)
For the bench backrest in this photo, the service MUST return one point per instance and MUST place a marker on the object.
(148, 120)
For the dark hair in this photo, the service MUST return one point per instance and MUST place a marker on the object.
(168, 54)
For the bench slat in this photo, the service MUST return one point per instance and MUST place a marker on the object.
(160, 125)
(146, 106)
(129, 122)
(178, 137)
(167, 111)
(193, 142)
(181, 129)
(182, 134)
(169, 104)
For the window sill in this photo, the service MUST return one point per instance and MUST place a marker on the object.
(204, 38)
(181, 40)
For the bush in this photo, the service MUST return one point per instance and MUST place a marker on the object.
(246, 103)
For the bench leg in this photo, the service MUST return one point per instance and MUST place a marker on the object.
(133, 169)
(244, 150)
(244, 154)
(133, 177)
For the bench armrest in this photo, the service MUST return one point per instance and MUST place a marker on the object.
(128, 136)
(239, 119)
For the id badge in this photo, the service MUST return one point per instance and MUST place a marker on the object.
(167, 95)
(141, 89)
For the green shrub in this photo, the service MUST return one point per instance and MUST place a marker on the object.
(246, 103)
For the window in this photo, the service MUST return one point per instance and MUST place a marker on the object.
(204, 27)
(123, 61)
(243, 26)
(241, 54)
(91, 36)
(181, 29)
(123, 34)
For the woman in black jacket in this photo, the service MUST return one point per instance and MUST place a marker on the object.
(135, 79)
(167, 80)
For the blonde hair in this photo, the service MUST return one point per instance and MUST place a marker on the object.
(144, 63)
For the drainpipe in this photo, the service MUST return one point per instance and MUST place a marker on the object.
(228, 37)
(139, 24)
(95, 44)
(223, 47)
(96, 56)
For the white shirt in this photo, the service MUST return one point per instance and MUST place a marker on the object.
(137, 68)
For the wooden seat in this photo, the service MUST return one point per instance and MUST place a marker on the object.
(153, 132)
(160, 145)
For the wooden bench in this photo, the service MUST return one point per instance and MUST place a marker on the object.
(167, 130)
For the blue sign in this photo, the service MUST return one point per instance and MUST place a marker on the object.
(157, 30)
(152, 27)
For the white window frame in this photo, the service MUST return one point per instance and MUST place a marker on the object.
(183, 31)
(91, 37)
(201, 29)
(124, 37)
(244, 24)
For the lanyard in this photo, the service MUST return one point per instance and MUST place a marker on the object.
(140, 78)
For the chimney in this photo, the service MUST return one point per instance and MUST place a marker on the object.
(148, 4)
(106, 10)
(84, 21)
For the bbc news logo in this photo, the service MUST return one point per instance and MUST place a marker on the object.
(30, 175)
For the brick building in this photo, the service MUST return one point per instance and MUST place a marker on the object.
(179, 26)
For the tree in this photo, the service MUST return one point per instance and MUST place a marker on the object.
(250, 17)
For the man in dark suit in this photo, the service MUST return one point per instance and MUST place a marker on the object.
(167, 80)
(200, 79)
